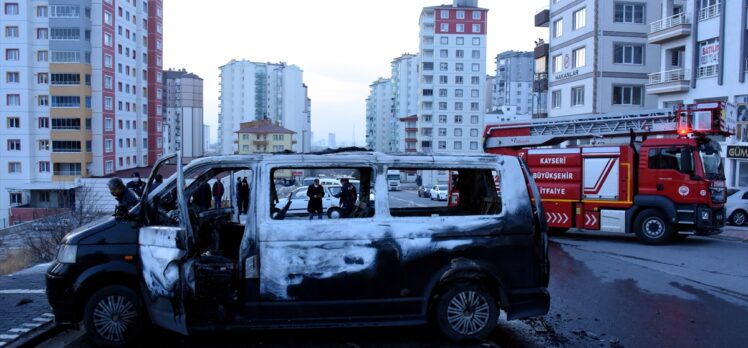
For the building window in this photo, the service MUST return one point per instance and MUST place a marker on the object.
(556, 99)
(42, 78)
(475, 80)
(108, 40)
(474, 119)
(442, 92)
(12, 54)
(66, 79)
(460, 28)
(458, 80)
(42, 33)
(444, 27)
(442, 132)
(44, 167)
(43, 122)
(11, 31)
(442, 145)
(41, 11)
(66, 57)
(444, 40)
(580, 18)
(444, 14)
(577, 96)
(579, 57)
(43, 145)
(443, 66)
(107, 18)
(458, 93)
(15, 197)
(473, 132)
(14, 167)
(108, 103)
(460, 14)
(66, 101)
(108, 61)
(476, 54)
(629, 13)
(43, 100)
(12, 77)
(476, 67)
(108, 124)
(476, 28)
(476, 41)
(458, 145)
(65, 34)
(459, 66)
(13, 100)
(460, 40)
(458, 132)
(443, 53)
(474, 106)
(11, 8)
(476, 14)
(628, 54)
(108, 145)
(65, 11)
(558, 28)
(627, 95)
(458, 106)
(14, 145)
(442, 105)
(442, 118)
(458, 119)
(42, 56)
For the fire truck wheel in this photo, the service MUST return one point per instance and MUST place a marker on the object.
(652, 228)
(738, 218)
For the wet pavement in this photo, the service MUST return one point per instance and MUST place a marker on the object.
(606, 291)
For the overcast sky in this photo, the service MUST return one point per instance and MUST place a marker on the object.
(341, 45)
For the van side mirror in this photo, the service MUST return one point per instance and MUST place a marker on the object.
(686, 158)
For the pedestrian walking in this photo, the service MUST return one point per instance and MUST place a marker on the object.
(347, 197)
(217, 193)
(238, 194)
(245, 195)
(315, 192)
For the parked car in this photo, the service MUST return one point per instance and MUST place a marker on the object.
(424, 191)
(299, 200)
(438, 192)
(168, 264)
(736, 208)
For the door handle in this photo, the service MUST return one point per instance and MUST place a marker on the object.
(660, 187)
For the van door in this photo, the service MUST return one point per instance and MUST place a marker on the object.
(164, 249)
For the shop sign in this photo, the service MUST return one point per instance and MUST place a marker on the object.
(737, 152)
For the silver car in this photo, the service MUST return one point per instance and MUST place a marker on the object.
(736, 208)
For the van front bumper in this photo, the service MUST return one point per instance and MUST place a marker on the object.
(525, 303)
(60, 294)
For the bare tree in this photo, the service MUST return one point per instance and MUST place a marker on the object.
(45, 235)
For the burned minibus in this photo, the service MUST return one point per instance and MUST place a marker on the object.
(390, 261)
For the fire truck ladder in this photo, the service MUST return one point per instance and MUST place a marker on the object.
(545, 132)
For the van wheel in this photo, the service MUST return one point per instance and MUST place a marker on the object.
(466, 312)
(334, 213)
(114, 316)
(652, 228)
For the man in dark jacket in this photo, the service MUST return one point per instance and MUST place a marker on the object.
(238, 194)
(201, 197)
(217, 193)
(245, 196)
(315, 192)
(136, 185)
(126, 199)
(347, 197)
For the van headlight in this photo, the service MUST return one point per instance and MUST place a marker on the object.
(67, 253)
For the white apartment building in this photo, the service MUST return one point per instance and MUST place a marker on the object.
(704, 50)
(379, 117)
(254, 91)
(183, 124)
(452, 79)
(404, 95)
(74, 97)
(599, 57)
(512, 86)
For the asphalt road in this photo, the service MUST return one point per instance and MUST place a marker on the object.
(606, 291)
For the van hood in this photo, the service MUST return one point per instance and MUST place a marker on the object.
(105, 230)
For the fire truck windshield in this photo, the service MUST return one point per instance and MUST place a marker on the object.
(712, 160)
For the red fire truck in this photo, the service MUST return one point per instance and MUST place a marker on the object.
(659, 189)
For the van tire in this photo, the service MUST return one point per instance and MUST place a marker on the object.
(334, 213)
(651, 227)
(118, 305)
(470, 302)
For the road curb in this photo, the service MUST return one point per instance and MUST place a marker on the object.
(36, 336)
(729, 238)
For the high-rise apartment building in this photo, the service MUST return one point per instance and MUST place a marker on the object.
(512, 87)
(183, 124)
(379, 117)
(404, 96)
(254, 91)
(74, 98)
(154, 77)
(452, 78)
(704, 50)
(599, 57)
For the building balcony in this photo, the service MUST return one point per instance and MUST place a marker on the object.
(411, 140)
(541, 50)
(673, 27)
(411, 150)
(710, 12)
(707, 71)
(540, 82)
(411, 129)
(543, 18)
(260, 142)
(671, 81)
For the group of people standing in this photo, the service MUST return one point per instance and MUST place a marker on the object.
(347, 195)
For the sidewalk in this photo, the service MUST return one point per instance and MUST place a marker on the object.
(24, 309)
(734, 233)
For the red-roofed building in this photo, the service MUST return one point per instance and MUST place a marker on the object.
(263, 136)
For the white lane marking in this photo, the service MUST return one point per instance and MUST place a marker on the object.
(19, 329)
(410, 202)
(32, 325)
(8, 337)
(48, 315)
(2, 344)
(22, 291)
(43, 320)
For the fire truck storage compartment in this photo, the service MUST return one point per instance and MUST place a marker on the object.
(613, 220)
(601, 173)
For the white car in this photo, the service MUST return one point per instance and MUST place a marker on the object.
(736, 208)
(438, 192)
(299, 201)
